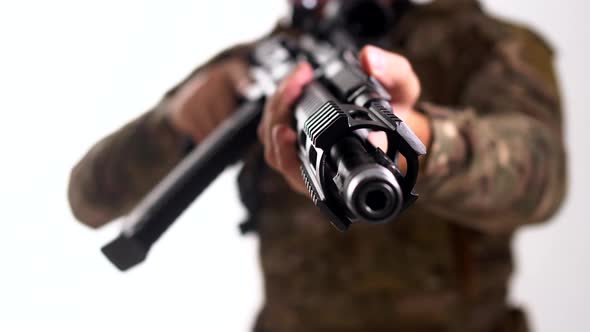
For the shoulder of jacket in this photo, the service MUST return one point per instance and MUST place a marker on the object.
(510, 38)
(524, 47)
(530, 40)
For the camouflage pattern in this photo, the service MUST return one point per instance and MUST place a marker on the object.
(135, 157)
(496, 162)
(121, 168)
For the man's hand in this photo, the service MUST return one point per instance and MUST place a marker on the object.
(207, 99)
(279, 138)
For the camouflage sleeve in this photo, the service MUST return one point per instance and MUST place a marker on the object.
(499, 162)
(121, 168)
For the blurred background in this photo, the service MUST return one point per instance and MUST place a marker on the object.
(72, 71)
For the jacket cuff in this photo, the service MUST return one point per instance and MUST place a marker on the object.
(448, 150)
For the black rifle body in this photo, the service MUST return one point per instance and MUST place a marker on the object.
(348, 178)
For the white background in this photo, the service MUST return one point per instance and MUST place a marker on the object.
(72, 71)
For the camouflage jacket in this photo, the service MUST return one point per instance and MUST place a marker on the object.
(496, 162)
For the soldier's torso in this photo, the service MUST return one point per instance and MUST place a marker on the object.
(419, 273)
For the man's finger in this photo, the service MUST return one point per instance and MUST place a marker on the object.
(379, 140)
(285, 140)
(278, 107)
(394, 72)
(289, 90)
(288, 163)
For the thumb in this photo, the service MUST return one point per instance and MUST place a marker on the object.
(394, 72)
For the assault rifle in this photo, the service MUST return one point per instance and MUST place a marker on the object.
(348, 178)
